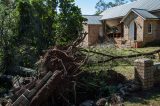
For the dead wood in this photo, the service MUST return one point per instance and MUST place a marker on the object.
(130, 56)
(47, 90)
(58, 69)
(112, 57)
(79, 40)
(94, 52)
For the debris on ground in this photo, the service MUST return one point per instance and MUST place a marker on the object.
(55, 82)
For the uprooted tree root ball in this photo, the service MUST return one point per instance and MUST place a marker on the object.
(61, 82)
(56, 80)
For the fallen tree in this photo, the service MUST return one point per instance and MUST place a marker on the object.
(112, 57)
(58, 77)
(58, 69)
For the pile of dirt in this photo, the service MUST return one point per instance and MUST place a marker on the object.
(115, 78)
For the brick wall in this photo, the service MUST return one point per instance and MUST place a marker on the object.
(147, 73)
(93, 33)
(139, 25)
(142, 29)
(155, 35)
(92, 36)
(144, 73)
(85, 41)
(157, 73)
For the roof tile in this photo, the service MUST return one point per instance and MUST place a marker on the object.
(120, 11)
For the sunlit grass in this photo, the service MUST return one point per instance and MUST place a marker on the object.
(126, 68)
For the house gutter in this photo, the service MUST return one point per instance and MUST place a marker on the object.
(155, 10)
(112, 18)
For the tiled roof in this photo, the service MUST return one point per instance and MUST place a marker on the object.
(120, 11)
(93, 19)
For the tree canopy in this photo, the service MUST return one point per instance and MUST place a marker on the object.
(27, 27)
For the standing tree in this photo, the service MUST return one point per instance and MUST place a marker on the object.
(37, 22)
(41, 26)
(29, 26)
(69, 21)
(8, 32)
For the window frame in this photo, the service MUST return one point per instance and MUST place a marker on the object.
(149, 28)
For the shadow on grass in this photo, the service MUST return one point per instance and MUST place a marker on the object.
(147, 98)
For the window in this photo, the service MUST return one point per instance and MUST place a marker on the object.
(149, 28)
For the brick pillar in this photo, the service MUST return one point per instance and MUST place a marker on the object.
(144, 73)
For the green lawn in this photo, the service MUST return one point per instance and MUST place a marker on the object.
(149, 98)
(122, 51)
(126, 68)
(122, 66)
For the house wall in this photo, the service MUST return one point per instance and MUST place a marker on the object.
(126, 25)
(85, 41)
(140, 28)
(92, 36)
(93, 33)
(142, 31)
(126, 32)
(155, 35)
(139, 24)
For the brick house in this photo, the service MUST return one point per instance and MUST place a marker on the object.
(133, 24)
(93, 27)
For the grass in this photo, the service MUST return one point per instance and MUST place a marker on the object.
(123, 51)
(126, 68)
(127, 71)
(149, 98)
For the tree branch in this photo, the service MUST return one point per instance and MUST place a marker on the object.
(130, 56)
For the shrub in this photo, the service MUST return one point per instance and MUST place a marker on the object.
(155, 43)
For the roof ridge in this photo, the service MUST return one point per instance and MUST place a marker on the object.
(140, 13)
(120, 5)
(122, 10)
(91, 15)
(139, 9)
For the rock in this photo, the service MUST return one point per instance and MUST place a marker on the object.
(132, 88)
(122, 91)
(101, 102)
(115, 100)
(119, 86)
(4, 102)
(87, 103)
(9, 102)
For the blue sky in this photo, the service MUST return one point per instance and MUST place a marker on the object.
(87, 6)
